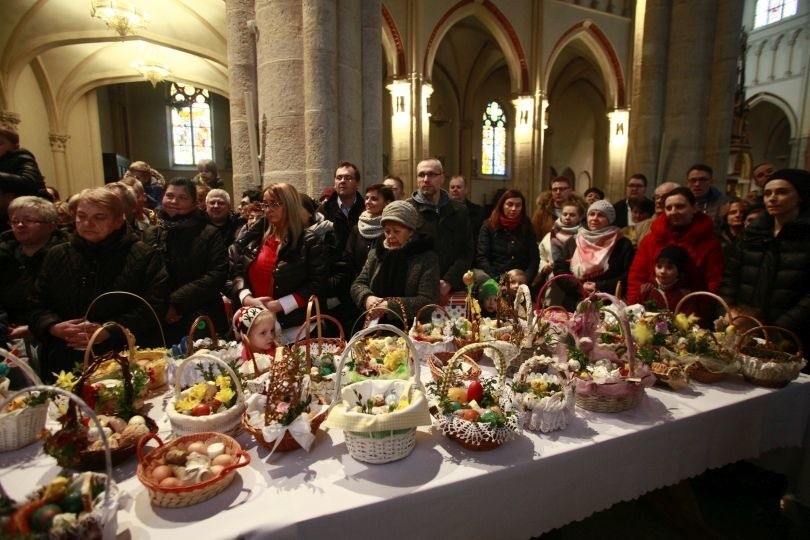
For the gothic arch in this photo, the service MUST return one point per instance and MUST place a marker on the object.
(602, 52)
(500, 28)
(778, 102)
(393, 51)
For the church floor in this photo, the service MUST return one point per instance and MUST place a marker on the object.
(738, 501)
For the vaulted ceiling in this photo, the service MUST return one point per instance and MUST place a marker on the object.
(70, 52)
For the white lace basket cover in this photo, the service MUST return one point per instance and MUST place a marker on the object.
(548, 413)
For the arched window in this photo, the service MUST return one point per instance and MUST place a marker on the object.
(493, 140)
(771, 11)
(191, 124)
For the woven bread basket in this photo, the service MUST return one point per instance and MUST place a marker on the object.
(763, 364)
(21, 427)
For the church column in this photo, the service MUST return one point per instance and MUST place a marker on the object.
(371, 21)
(523, 136)
(59, 149)
(242, 86)
(618, 120)
(10, 119)
(401, 161)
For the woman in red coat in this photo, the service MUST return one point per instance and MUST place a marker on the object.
(683, 225)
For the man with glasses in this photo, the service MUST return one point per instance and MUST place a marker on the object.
(709, 199)
(636, 189)
(344, 206)
(445, 221)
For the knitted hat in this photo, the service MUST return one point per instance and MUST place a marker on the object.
(243, 319)
(402, 212)
(674, 254)
(487, 289)
(799, 178)
(308, 204)
(604, 207)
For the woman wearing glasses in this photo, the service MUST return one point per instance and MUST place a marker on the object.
(278, 264)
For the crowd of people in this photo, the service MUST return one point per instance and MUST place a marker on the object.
(179, 249)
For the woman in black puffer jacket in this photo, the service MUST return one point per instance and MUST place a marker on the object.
(101, 256)
(507, 239)
(278, 264)
(768, 273)
(196, 260)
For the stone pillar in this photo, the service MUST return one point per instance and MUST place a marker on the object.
(371, 39)
(350, 82)
(721, 92)
(10, 119)
(402, 158)
(242, 79)
(648, 88)
(59, 149)
(279, 70)
(321, 81)
(524, 124)
(691, 45)
(618, 135)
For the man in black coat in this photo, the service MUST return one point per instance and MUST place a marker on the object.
(458, 192)
(636, 189)
(19, 172)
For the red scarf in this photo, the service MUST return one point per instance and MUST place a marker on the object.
(510, 224)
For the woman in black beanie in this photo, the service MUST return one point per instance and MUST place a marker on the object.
(768, 274)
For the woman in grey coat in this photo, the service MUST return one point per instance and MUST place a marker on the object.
(403, 266)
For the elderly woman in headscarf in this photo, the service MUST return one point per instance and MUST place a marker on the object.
(402, 266)
(599, 254)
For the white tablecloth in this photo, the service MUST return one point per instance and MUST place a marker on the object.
(528, 486)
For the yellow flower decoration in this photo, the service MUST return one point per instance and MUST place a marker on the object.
(395, 358)
(65, 380)
(223, 381)
(186, 403)
(684, 323)
(224, 396)
(642, 333)
(197, 392)
(403, 403)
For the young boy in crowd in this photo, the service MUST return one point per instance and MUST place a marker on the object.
(667, 289)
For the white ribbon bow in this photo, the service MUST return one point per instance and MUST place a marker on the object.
(299, 429)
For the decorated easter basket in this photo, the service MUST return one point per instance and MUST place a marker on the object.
(285, 416)
(763, 363)
(544, 390)
(616, 391)
(555, 314)
(431, 337)
(386, 432)
(469, 368)
(719, 360)
(71, 445)
(227, 351)
(87, 501)
(228, 421)
(322, 353)
(478, 435)
(380, 353)
(202, 483)
(21, 426)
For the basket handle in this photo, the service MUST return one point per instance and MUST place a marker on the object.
(404, 318)
(624, 324)
(240, 397)
(553, 309)
(413, 364)
(708, 295)
(211, 331)
(764, 328)
(76, 401)
(524, 295)
(88, 351)
(426, 306)
(662, 296)
(243, 459)
(538, 304)
(139, 449)
(500, 364)
(304, 333)
(133, 295)
(24, 367)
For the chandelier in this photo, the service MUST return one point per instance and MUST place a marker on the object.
(123, 16)
(154, 72)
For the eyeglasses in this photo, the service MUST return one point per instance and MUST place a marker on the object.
(271, 205)
(346, 177)
(24, 221)
(428, 174)
(698, 179)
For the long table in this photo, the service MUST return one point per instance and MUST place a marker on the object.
(522, 489)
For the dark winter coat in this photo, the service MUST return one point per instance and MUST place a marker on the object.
(197, 263)
(704, 269)
(74, 273)
(420, 285)
(19, 173)
(300, 269)
(771, 275)
(342, 224)
(501, 250)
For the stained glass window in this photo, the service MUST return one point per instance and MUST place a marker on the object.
(191, 124)
(493, 140)
(771, 11)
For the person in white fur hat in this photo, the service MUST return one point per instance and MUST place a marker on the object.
(598, 255)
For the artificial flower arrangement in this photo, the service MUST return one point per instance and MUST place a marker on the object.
(609, 379)
(104, 395)
(385, 357)
(652, 331)
(544, 389)
(207, 397)
(706, 355)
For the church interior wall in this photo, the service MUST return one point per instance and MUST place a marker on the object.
(84, 169)
(34, 126)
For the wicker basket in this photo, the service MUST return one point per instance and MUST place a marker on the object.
(177, 497)
(23, 426)
(470, 370)
(73, 432)
(624, 394)
(101, 521)
(771, 368)
(539, 301)
(321, 385)
(228, 421)
(478, 436)
(709, 370)
(389, 436)
(551, 412)
(428, 345)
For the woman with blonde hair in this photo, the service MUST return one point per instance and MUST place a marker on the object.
(101, 256)
(277, 264)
